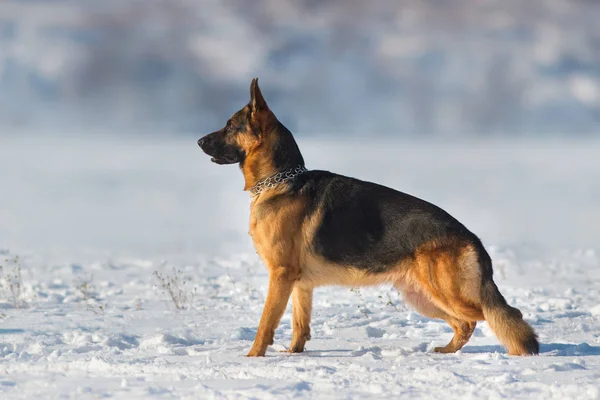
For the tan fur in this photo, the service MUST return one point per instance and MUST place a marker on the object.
(270, 231)
(462, 333)
(510, 329)
(422, 303)
(258, 164)
(301, 310)
(281, 282)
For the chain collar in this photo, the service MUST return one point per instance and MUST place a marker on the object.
(277, 179)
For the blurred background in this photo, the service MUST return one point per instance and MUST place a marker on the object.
(412, 67)
(489, 108)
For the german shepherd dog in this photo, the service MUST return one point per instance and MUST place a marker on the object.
(314, 228)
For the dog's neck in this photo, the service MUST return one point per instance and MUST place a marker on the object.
(276, 180)
(279, 153)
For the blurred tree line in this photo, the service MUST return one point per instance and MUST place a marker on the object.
(445, 67)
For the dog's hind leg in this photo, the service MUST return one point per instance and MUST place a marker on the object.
(423, 305)
(462, 333)
(459, 282)
(301, 310)
(419, 301)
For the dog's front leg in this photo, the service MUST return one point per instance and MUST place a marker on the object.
(301, 310)
(281, 282)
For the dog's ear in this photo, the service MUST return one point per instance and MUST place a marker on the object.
(257, 101)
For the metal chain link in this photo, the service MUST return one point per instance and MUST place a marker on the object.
(277, 179)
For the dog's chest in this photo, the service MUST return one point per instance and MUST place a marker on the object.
(257, 233)
(275, 229)
(265, 229)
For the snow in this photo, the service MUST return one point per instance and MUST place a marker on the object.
(93, 218)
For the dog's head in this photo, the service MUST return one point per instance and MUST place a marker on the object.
(255, 139)
(243, 132)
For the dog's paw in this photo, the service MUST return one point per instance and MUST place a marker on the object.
(293, 349)
(256, 353)
(444, 350)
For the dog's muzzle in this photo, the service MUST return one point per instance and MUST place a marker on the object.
(219, 154)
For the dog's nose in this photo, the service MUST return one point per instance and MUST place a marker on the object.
(200, 142)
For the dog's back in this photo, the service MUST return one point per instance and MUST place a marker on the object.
(370, 226)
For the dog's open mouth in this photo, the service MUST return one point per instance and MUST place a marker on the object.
(223, 160)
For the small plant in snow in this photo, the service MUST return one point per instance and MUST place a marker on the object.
(98, 310)
(86, 288)
(390, 302)
(363, 309)
(10, 280)
(176, 287)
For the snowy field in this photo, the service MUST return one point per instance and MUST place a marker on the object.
(92, 220)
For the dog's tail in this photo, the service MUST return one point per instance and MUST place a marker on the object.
(507, 322)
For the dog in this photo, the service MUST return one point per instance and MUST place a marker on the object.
(315, 228)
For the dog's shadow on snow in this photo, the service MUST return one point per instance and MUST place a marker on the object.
(11, 331)
(549, 349)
